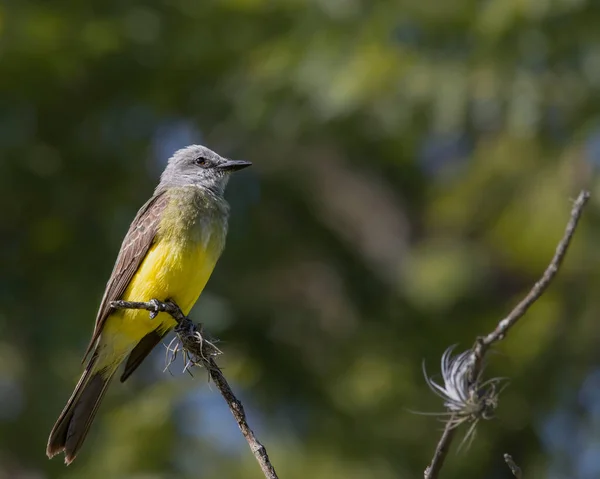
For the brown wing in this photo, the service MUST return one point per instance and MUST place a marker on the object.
(136, 244)
(139, 353)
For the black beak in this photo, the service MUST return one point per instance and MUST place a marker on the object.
(233, 165)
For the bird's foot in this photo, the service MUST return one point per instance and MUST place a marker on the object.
(157, 308)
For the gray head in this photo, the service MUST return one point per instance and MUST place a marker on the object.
(198, 166)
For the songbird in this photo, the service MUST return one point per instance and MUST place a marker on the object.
(169, 253)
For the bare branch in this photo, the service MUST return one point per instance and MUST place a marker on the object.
(538, 289)
(441, 451)
(516, 470)
(200, 351)
(483, 344)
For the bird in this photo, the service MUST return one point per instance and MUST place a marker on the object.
(168, 254)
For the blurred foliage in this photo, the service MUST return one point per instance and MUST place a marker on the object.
(414, 165)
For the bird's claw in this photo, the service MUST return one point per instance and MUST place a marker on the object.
(156, 304)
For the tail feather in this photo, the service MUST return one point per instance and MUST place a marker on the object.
(74, 422)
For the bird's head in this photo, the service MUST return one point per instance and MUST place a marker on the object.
(199, 166)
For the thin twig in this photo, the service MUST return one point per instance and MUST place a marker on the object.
(538, 289)
(516, 470)
(199, 351)
(441, 451)
(483, 344)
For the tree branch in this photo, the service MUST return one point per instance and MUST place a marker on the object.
(538, 289)
(441, 451)
(199, 351)
(483, 344)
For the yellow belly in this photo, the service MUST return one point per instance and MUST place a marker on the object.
(167, 272)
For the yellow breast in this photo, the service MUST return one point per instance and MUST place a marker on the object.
(169, 271)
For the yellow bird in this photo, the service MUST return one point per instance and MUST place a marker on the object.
(169, 253)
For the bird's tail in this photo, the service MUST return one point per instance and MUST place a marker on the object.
(74, 422)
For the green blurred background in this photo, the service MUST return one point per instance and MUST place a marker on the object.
(414, 166)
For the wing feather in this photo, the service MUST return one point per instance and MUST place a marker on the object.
(134, 248)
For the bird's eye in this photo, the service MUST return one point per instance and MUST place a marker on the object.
(201, 161)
